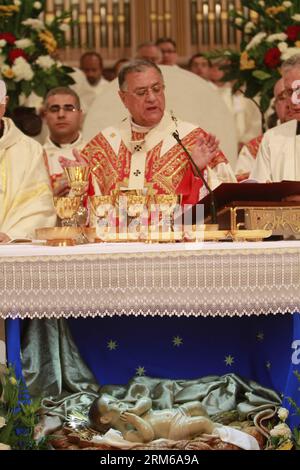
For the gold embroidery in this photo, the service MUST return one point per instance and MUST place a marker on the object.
(164, 172)
(253, 145)
(3, 184)
(24, 197)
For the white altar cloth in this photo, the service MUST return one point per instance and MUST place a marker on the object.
(198, 279)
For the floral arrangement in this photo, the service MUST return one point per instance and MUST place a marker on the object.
(28, 48)
(18, 414)
(270, 36)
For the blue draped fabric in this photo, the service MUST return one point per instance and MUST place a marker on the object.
(116, 349)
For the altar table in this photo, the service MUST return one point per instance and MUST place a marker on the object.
(135, 308)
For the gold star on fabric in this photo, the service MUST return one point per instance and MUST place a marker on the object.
(260, 336)
(112, 345)
(112, 135)
(140, 371)
(268, 365)
(177, 341)
(229, 360)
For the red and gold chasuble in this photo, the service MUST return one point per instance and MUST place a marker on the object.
(126, 158)
(252, 146)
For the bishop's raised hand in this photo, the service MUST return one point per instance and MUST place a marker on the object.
(79, 160)
(205, 150)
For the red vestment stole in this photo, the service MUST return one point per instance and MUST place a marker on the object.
(170, 172)
(252, 146)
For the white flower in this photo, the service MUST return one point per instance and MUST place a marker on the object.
(65, 27)
(4, 446)
(261, 3)
(2, 42)
(289, 52)
(17, 3)
(2, 422)
(22, 70)
(282, 46)
(296, 17)
(249, 27)
(23, 43)
(256, 40)
(45, 62)
(34, 23)
(287, 4)
(238, 21)
(37, 5)
(3, 67)
(281, 430)
(282, 413)
(276, 37)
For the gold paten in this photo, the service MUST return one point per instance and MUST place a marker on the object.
(66, 236)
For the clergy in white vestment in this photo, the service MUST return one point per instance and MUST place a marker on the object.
(278, 157)
(63, 116)
(247, 156)
(141, 152)
(91, 65)
(246, 113)
(26, 201)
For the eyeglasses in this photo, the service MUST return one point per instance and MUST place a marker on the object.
(156, 89)
(290, 91)
(281, 97)
(168, 51)
(67, 108)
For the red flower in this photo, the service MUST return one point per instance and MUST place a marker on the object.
(15, 53)
(293, 32)
(8, 37)
(272, 57)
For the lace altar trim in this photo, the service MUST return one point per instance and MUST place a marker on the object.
(215, 282)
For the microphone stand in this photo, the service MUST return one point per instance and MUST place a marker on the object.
(213, 210)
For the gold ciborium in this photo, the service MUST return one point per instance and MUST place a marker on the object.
(100, 205)
(131, 205)
(164, 212)
(78, 179)
(66, 209)
(102, 216)
(137, 217)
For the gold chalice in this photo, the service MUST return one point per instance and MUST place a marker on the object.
(78, 178)
(163, 215)
(66, 209)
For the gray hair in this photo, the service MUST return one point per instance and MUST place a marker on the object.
(63, 90)
(138, 65)
(291, 63)
(146, 44)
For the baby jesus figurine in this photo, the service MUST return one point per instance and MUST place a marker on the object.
(140, 423)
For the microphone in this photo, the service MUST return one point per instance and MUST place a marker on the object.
(213, 211)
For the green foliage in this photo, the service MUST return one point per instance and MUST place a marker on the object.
(256, 66)
(20, 414)
(28, 50)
